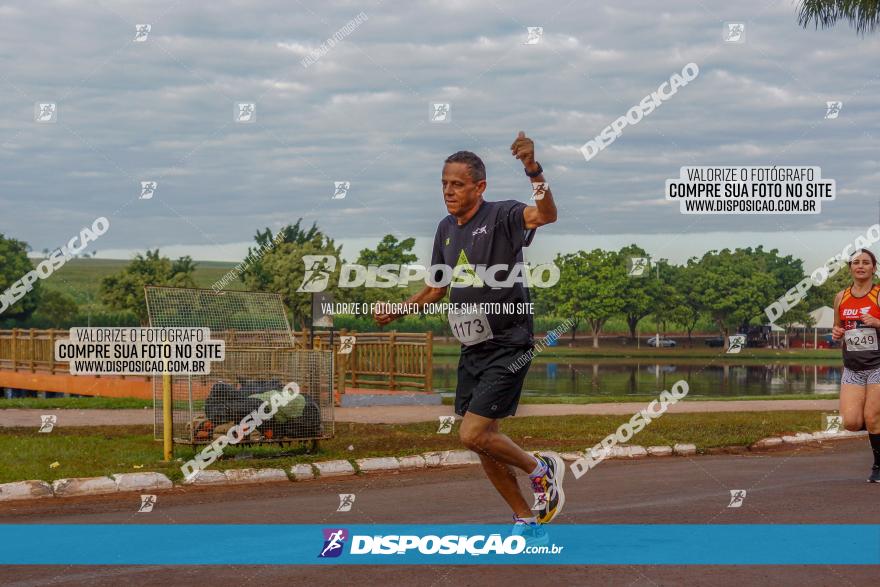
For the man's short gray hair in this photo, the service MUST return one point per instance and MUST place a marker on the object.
(476, 168)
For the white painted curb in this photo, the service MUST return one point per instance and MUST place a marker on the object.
(377, 464)
(432, 459)
(302, 472)
(637, 452)
(83, 486)
(255, 475)
(207, 477)
(412, 462)
(338, 468)
(684, 449)
(616, 452)
(146, 481)
(768, 442)
(799, 438)
(25, 490)
(141, 481)
(451, 458)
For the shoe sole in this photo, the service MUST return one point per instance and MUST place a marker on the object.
(560, 475)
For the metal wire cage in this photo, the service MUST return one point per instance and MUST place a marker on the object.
(261, 359)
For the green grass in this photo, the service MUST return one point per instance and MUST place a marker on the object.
(76, 403)
(85, 452)
(601, 399)
(126, 403)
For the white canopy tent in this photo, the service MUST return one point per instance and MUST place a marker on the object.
(823, 318)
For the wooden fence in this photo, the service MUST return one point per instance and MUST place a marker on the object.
(396, 361)
(31, 350)
(381, 360)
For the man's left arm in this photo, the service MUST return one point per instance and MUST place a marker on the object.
(544, 210)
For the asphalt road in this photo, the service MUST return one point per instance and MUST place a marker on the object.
(811, 484)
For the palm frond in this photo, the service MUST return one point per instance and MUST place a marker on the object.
(863, 15)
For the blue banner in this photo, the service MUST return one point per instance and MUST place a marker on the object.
(563, 544)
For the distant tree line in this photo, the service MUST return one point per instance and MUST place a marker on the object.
(726, 290)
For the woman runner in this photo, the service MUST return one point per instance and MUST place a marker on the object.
(856, 320)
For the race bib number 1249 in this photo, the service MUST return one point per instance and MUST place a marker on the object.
(861, 339)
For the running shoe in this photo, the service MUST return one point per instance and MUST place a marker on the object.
(875, 475)
(534, 534)
(550, 484)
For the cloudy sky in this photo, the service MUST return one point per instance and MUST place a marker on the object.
(163, 110)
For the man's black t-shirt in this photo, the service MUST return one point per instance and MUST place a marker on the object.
(495, 235)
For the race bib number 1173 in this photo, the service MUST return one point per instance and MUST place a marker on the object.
(470, 329)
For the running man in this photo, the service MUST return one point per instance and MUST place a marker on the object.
(480, 233)
(856, 320)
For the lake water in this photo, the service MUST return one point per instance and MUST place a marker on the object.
(705, 379)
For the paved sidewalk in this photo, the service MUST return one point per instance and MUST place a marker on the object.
(406, 414)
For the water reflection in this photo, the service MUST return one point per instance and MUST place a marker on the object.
(591, 378)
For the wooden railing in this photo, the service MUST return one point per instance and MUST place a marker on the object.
(384, 360)
(379, 360)
(31, 350)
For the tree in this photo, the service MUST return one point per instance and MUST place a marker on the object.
(734, 287)
(125, 290)
(389, 251)
(823, 295)
(15, 264)
(589, 288)
(817, 296)
(57, 308)
(668, 297)
(641, 291)
(546, 304)
(280, 268)
(863, 15)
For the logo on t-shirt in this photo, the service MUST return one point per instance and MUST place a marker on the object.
(467, 274)
(481, 230)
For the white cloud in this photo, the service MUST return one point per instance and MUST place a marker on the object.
(165, 108)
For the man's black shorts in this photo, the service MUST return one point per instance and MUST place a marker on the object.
(486, 385)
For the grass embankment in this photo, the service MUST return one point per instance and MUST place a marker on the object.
(126, 403)
(81, 278)
(76, 403)
(612, 399)
(86, 452)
